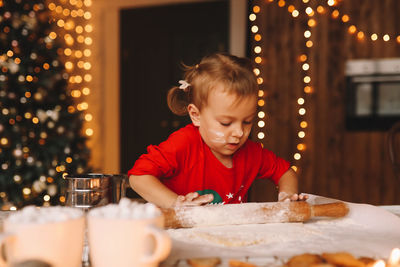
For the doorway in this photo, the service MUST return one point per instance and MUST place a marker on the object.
(154, 43)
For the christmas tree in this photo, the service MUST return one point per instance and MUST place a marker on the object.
(40, 128)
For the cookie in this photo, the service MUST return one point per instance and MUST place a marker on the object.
(204, 262)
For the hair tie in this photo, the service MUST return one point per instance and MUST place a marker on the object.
(184, 85)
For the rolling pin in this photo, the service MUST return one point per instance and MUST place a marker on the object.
(250, 213)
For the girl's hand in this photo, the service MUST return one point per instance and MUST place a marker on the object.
(283, 196)
(193, 199)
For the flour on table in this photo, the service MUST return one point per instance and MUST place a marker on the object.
(244, 235)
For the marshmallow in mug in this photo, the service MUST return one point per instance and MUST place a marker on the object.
(127, 209)
(32, 214)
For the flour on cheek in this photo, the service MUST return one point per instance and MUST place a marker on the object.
(217, 136)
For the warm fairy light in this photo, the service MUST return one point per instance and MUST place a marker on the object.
(320, 9)
(352, 29)
(252, 17)
(86, 91)
(301, 147)
(308, 89)
(374, 37)
(261, 102)
(303, 57)
(394, 258)
(331, 2)
(311, 22)
(301, 134)
(257, 49)
(360, 35)
(79, 29)
(60, 23)
(4, 141)
(260, 80)
(291, 8)
(89, 40)
(335, 14)
(87, 3)
(66, 12)
(254, 29)
(256, 71)
(306, 66)
(302, 111)
(26, 191)
(46, 198)
(281, 3)
(297, 156)
(295, 13)
(309, 11)
(89, 132)
(398, 39)
(87, 52)
(386, 37)
(52, 6)
(88, 28)
(256, 9)
(260, 93)
(87, 15)
(69, 65)
(379, 263)
(307, 34)
(307, 79)
(345, 18)
(303, 124)
(76, 93)
(300, 101)
(261, 114)
(257, 37)
(78, 54)
(309, 44)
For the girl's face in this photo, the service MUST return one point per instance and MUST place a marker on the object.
(225, 122)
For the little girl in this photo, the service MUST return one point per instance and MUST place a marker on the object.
(212, 159)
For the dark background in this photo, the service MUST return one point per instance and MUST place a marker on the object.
(155, 42)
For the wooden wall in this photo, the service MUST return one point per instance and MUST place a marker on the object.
(348, 165)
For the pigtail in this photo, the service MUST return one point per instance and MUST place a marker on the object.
(177, 101)
(179, 97)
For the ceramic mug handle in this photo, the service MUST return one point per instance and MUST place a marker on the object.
(3, 238)
(162, 244)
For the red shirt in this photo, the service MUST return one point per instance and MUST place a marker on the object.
(184, 163)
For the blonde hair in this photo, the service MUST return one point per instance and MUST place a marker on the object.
(235, 73)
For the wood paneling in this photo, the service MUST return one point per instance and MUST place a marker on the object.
(349, 165)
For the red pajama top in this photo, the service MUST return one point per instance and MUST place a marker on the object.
(184, 163)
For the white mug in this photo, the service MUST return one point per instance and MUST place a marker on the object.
(127, 242)
(59, 244)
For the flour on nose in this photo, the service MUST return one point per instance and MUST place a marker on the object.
(217, 137)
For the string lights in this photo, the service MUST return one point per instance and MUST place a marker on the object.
(73, 21)
(331, 10)
(256, 35)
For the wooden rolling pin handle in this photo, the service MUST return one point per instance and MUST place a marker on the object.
(335, 210)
